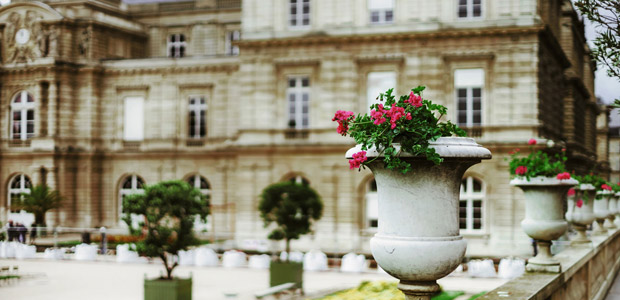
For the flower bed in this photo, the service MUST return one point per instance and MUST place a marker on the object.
(381, 290)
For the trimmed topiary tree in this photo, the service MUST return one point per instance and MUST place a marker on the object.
(292, 207)
(169, 209)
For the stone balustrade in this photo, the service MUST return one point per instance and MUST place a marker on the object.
(588, 272)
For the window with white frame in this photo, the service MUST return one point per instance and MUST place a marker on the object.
(298, 95)
(299, 13)
(176, 45)
(471, 206)
(372, 205)
(22, 116)
(131, 185)
(377, 83)
(204, 187)
(469, 86)
(19, 185)
(197, 117)
(133, 126)
(381, 11)
(232, 36)
(468, 9)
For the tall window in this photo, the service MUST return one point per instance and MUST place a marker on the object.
(469, 84)
(298, 95)
(470, 9)
(22, 116)
(176, 45)
(131, 185)
(372, 205)
(200, 183)
(379, 82)
(232, 36)
(19, 185)
(381, 11)
(133, 129)
(471, 212)
(299, 15)
(197, 117)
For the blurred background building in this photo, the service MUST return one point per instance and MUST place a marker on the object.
(100, 97)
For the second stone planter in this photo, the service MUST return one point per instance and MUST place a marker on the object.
(417, 239)
(601, 211)
(544, 217)
(581, 216)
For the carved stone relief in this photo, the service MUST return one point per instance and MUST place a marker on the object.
(27, 38)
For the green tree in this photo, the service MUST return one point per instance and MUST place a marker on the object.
(292, 207)
(605, 16)
(40, 200)
(169, 209)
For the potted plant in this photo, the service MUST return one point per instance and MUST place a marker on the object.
(39, 201)
(292, 208)
(581, 207)
(545, 182)
(418, 167)
(169, 209)
(601, 207)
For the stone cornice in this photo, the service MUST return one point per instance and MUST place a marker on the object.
(168, 65)
(444, 33)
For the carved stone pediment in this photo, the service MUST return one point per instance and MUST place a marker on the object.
(27, 32)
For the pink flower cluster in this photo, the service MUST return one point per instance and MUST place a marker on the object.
(377, 115)
(564, 175)
(414, 99)
(571, 192)
(579, 203)
(358, 159)
(521, 170)
(531, 142)
(395, 113)
(343, 117)
(606, 187)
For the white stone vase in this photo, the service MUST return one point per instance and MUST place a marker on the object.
(544, 217)
(617, 217)
(581, 217)
(601, 211)
(417, 239)
(613, 210)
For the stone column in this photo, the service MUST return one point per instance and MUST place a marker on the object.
(52, 105)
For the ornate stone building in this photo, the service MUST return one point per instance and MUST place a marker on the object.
(100, 97)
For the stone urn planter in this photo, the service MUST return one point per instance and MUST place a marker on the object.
(601, 212)
(617, 220)
(417, 239)
(613, 210)
(581, 217)
(544, 217)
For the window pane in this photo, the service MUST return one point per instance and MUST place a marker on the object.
(182, 51)
(477, 118)
(17, 115)
(30, 99)
(462, 11)
(462, 104)
(15, 184)
(27, 183)
(18, 98)
(291, 82)
(462, 94)
(462, 118)
(374, 17)
(192, 123)
(477, 10)
(127, 183)
(389, 16)
(463, 214)
(293, 1)
(203, 126)
(477, 104)
(476, 92)
(192, 101)
(306, 9)
(477, 186)
(293, 22)
(30, 128)
(477, 2)
(306, 20)
(305, 82)
(203, 184)
(293, 10)
(373, 186)
(30, 115)
(139, 182)
(202, 101)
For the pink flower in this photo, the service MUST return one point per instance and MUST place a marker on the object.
(358, 159)
(414, 100)
(579, 203)
(571, 192)
(564, 175)
(521, 170)
(408, 117)
(395, 113)
(606, 187)
(343, 118)
(377, 117)
(531, 142)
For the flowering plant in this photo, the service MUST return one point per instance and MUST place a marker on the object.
(596, 181)
(538, 163)
(409, 120)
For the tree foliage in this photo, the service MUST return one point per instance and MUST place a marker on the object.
(169, 209)
(40, 200)
(605, 16)
(292, 207)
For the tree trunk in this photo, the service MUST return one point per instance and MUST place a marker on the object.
(288, 250)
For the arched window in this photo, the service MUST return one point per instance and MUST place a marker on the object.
(131, 185)
(471, 208)
(19, 185)
(372, 205)
(200, 183)
(22, 116)
(197, 117)
(299, 179)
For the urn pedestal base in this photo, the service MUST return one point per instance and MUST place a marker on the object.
(419, 290)
(609, 224)
(599, 228)
(544, 261)
(582, 237)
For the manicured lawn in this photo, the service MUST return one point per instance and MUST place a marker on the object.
(379, 290)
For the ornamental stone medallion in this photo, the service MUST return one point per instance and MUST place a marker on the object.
(27, 33)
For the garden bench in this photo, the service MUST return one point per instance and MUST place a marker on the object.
(274, 290)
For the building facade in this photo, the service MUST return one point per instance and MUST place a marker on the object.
(101, 97)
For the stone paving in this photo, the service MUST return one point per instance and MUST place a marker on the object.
(106, 279)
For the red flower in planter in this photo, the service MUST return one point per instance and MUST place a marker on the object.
(521, 170)
(531, 142)
(571, 192)
(564, 175)
(579, 203)
(606, 187)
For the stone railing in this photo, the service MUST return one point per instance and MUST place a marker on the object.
(587, 273)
